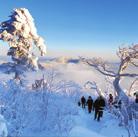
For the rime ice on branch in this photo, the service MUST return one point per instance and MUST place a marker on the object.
(21, 34)
(128, 56)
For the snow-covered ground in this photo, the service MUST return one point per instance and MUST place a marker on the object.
(3, 127)
(107, 127)
(62, 112)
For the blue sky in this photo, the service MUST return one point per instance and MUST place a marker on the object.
(85, 25)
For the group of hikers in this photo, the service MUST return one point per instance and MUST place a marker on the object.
(99, 104)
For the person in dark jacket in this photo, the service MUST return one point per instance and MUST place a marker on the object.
(110, 102)
(90, 104)
(96, 108)
(136, 100)
(136, 94)
(83, 102)
(99, 105)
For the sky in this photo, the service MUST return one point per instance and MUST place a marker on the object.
(75, 26)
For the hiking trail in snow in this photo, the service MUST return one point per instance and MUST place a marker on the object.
(86, 126)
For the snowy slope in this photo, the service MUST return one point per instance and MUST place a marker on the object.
(80, 123)
(107, 127)
(3, 127)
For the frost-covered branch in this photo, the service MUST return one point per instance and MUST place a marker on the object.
(128, 56)
(99, 65)
(128, 75)
(93, 85)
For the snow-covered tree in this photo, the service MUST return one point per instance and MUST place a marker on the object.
(128, 57)
(93, 85)
(21, 35)
(49, 108)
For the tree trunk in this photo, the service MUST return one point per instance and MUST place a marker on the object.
(124, 99)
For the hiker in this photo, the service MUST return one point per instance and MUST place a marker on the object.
(136, 99)
(83, 102)
(99, 105)
(90, 104)
(134, 106)
(110, 102)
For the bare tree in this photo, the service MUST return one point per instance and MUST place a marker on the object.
(93, 85)
(128, 56)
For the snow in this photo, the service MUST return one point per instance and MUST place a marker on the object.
(81, 132)
(50, 109)
(60, 116)
(85, 125)
(3, 127)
